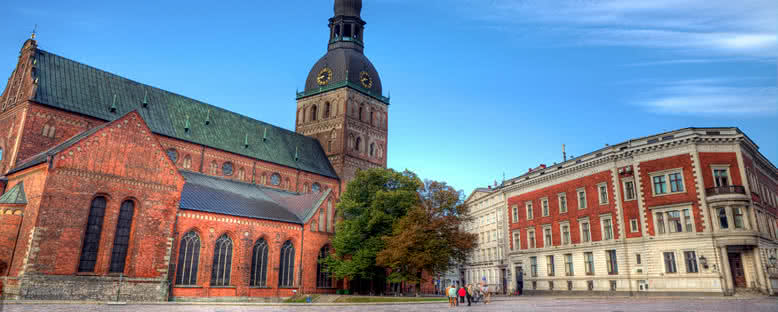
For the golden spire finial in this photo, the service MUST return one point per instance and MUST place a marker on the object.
(33, 31)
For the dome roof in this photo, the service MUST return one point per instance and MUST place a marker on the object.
(340, 62)
(348, 7)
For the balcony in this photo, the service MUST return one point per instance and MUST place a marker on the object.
(726, 193)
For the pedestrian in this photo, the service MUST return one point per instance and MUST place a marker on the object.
(462, 294)
(487, 295)
(451, 291)
(520, 281)
(469, 293)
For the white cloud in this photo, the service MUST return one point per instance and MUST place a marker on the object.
(711, 97)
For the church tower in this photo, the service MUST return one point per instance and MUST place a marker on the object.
(342, 105)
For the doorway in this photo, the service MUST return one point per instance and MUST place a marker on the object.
(736, 268)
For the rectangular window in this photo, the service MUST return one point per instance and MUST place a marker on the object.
(670, 262)
(721, 177)
(690, 258)
(569, 264)
(531, 236)
(637, 259)
(516, 241)
(533, 266)
(530, 215)
(603, 193)
(737, 214)
(586, 235)
(674, 220)
(660, 185)
(687, 220)
(607, 229)
(565, 234)
(581, 199)
(633, 225)
(589, 263)
(544, 203)
(562, 203)
(515, 214)
(547, 237)
(629, 190)
(723, 222)
(660, 223)
(676, 183)
(610, 258)
(550, 265)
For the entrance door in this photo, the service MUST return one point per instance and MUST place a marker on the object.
(736, 266)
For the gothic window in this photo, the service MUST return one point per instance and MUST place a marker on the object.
(316, 187)
(241, 174)
(48, 131)
(327, 110)
(187, 161)
(214, 168)
(330, 216)
(286, 272)
(122, 238)
(222, 262)
(94, 226)
(372, 149)
(323, 278)
(360, 113)
(371, 117)
(172, 154)
(322, 223)
(188, 259)
(313, 113)
(275, 179)
(227, 168)
(259, 264)
(357, 144)
(329, 146)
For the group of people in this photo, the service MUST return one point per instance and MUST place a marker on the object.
(469, 292)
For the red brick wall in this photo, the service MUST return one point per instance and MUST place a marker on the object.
(730, 159)
(684, 162)
(66, 125)
(593, 209)
(760, 184)
(34, 181)
(630, 208)
(9, 229)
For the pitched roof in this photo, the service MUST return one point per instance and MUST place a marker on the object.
(217, 195)
(75, 87)
(15, 195)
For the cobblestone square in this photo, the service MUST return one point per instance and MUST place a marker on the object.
(513, 304)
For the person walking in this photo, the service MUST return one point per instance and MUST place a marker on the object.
(451, 291)
(462, 293)
(487, 295)
(469, 293)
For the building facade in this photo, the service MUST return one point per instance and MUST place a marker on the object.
(111, 189)
(487, 263)
(692, 211)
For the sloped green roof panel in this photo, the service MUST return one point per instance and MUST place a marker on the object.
(75, 87)
(15, 195)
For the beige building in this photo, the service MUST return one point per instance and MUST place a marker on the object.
(487, 264)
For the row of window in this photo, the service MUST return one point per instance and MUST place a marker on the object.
(602, 190)
(94, 228)
(48, 131)
(612, 265)
(767, 193)
(221, 269)
(584, 226)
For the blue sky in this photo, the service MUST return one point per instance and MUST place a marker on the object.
(479, 88)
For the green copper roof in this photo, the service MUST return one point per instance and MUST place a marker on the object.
(75, 87)
(15, 195)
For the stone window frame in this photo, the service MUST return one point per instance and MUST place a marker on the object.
(530, 210)
(664, 210)
(569, 266)
(666, 173)
(545, 207)
(550, 265)
(578, 198)
(515, 211)
(589, 267)
(532, 239)
(729, 211)
(550, 243)
(634, 189)
(633, 225)
(666, 268)
(581, 221)
(686, 262)
(569, 238)
(604, 217)
(726, 168)
(516, 240)
(562, 198)
(600, 187)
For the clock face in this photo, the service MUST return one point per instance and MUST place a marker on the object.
(365, 79)
(325, 75)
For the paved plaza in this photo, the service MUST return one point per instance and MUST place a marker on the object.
(513, 304)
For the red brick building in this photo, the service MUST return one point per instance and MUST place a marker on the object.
(110, 187)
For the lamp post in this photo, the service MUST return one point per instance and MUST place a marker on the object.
(773, 261)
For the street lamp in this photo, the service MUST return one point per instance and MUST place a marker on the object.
(704, 262)
(773, 261)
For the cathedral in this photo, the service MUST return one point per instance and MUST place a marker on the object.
(111, 189)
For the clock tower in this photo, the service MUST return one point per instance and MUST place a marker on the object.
(342, 105)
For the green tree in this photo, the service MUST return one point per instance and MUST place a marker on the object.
(373, 201)
(429, 237)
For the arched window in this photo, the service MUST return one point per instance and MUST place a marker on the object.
(288, 184)
(227, 169)
(241, 174)
(371, 117)
(275, 179)
(187, 161)
(305, 187)
(172, 154)
(122, 238)
(222, 261)
(259, 264)
(214, 168)
(323, 278)
(372, 149)
(357, 144)
(188, 259)
(286, 272)
(94, 227)
(322, 222)
(360, 113)
(327, 110)
(314, 110)
(316, 187)
(263, 180)
(330, 217)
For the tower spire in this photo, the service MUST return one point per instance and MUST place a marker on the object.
(34, 30)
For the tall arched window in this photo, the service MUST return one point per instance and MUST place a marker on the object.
(122, 238)
(187, 161)
(259, 264)
(241, 174)
(327, 110)
(323, 278)
(286, 272)
(188, 259)
(94, 227)
(222, 261)
(360, 113)
(357, 144)
(330, 217)
(314, 110)
(322, 220)
(371, 117)
(372, 149)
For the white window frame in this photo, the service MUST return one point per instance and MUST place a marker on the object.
(665, 209)
(532, 243)
(602, 227)
(578, 198)
(530, 211)
(675, 261)
(515, 210)
(633, 225)
(581, 221)
(545, 208)
(562, 197)
(666, 174)
(600, 187)
(547, 244)
(634, 190)
(562, 233)
(713, 169)
(517, 240)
